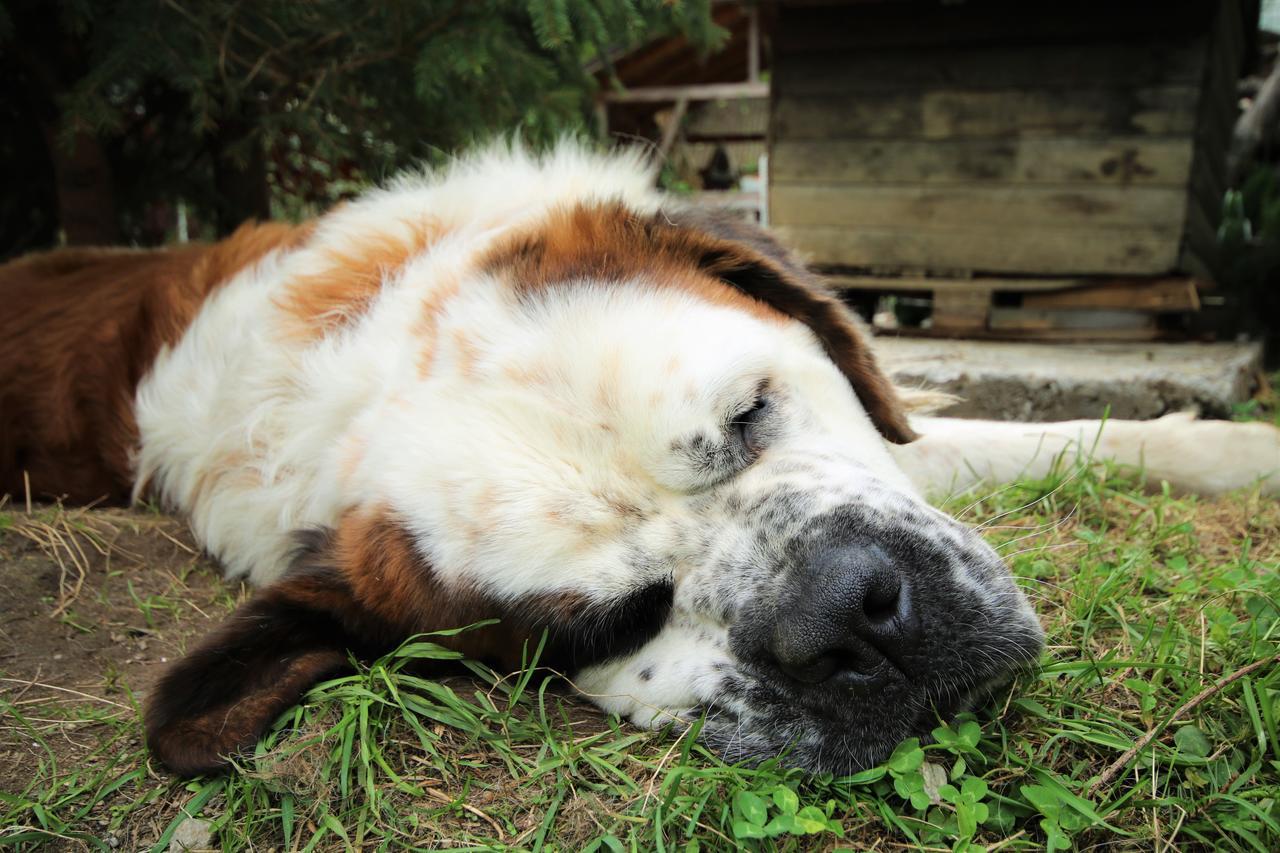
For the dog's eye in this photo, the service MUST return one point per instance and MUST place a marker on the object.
(744, 427)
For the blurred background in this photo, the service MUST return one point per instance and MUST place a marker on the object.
(985, 169)
(118, 116)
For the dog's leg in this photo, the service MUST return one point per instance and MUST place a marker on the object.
(1199, 456)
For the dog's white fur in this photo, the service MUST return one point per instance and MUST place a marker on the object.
(255, 434)
(246, 431)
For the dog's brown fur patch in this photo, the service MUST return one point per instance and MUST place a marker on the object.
(78, 331)
(363, 588)
(718, 260)
(352, 275)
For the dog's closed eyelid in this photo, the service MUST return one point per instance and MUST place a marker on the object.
(744, 427)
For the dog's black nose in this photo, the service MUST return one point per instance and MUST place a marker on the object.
(848, 615)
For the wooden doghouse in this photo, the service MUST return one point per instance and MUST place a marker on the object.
(1019, 160)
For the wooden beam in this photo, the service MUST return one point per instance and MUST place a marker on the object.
(672, 130)
(1172, 61)
(956, 310)
(726, 199)
(765, 177)
(854, 26)
(930, 284)
(1141, 333)
(1161, 294)
(602, 119)
(1108, 161)
(1177, 293)
(1108, 321)
(1030, 251)
(1008, 114)
(991, 205)
(694, 92)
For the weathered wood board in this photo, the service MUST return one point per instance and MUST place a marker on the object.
(991, 205)
(1082, 322)
(957, 113)
(929, 284)
(1047, 250)
(1160, 294)
(1003, 136)
(1177, 60)
(984, 24)
(1152, 160)
(1178, 293)
(1096, 308)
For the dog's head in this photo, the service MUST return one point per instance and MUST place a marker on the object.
(657, 438)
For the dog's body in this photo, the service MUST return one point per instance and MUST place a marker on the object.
(530, 390)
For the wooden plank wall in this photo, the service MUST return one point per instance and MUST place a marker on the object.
(994, 136)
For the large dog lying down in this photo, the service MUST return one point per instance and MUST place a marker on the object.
(536, 390)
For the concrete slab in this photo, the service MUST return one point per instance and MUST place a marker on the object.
(1034, 382)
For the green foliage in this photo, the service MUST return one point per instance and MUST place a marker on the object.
(363, 76)
(1236, 228)
(1259, 203)
(1263, 406)
(334, 93)
(776, 811)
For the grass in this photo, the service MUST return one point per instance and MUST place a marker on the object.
(1164, 621)
(1262, 406)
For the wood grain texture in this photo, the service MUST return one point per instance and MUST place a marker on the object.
(984, 23)
(991, 205)
(961, 309)
(1041, 250)
(1177, 60)
(1111, 320)
(1012, 113)
(1153, 161)
(1144, 333)
(1160, 294)
(927, 284)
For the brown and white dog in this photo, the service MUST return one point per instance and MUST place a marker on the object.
(533, 389)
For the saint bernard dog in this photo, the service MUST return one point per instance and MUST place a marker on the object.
(533, 389)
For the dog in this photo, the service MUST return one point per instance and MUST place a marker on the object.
(534, 389)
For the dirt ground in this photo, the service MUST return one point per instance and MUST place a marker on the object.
(93, 604)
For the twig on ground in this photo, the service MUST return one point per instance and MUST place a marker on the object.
(441, 796)
(184, 546)
(1191, 704)
(27, 683)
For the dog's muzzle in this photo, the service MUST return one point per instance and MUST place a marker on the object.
(875, 628)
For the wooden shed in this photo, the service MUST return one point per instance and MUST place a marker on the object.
(1006, 146)
(691, 103)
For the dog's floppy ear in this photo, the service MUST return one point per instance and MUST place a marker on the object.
(752, 261)
(221, 697)
(359, 590)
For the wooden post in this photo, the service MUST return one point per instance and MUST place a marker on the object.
(764, 190)
(693, 91)
(602, 117)
(672, 130)
(961, 309)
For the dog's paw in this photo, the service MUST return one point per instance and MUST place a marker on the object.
(1211, 457)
